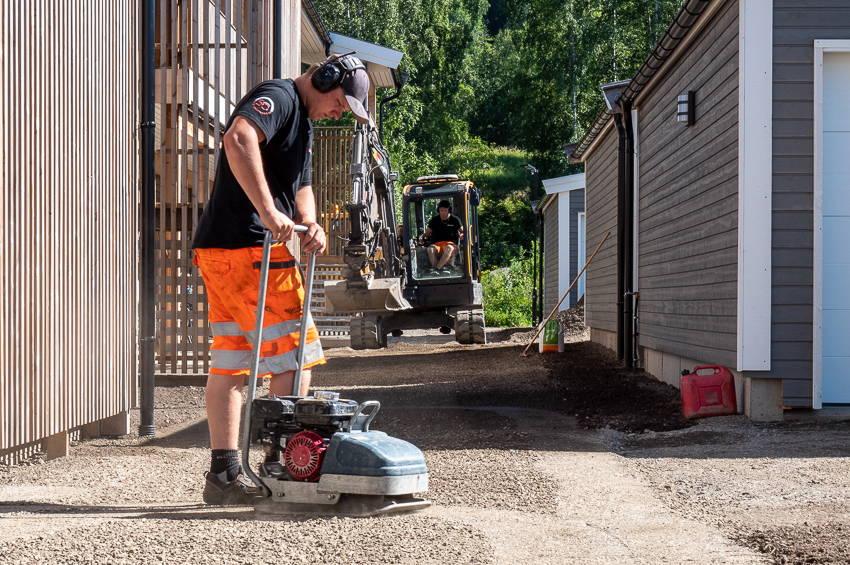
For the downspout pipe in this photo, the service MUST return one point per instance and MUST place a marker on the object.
(277, 41)
(147, 240)
(628, 217)
(399, 80)
(621, 233)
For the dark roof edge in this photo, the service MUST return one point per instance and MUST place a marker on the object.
(677, 31)
(320, 26)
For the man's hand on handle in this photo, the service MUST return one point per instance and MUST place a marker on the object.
(279, 224)
(314, 239)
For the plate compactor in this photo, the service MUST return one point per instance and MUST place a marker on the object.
(321, 456)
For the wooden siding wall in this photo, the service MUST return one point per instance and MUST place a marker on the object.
(68, 209)
(551, 241)
(688, 206)
(576, 206)
(797, 25)
(209, 54)
(601, 275)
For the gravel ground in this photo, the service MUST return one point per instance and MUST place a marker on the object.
(549, 459)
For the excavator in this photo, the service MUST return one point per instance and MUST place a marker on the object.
(387, 284)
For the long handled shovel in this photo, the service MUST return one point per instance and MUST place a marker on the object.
(555, 309)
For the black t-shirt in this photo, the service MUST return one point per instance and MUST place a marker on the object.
(445, 231)
(229, 220)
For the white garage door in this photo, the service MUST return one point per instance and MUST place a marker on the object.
(836, 228)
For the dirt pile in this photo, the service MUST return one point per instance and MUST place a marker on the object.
(572, 321)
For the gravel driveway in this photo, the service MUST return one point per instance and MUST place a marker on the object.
(525, 468)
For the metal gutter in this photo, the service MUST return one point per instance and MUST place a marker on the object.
(682, 23)
(317, 22)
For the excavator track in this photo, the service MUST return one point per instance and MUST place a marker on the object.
(366, 333)
(469, 326)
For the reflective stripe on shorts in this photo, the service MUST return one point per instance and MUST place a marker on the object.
(278, 330)
(285, 362)
(225, 328)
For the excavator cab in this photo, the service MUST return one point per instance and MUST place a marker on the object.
(419, 206)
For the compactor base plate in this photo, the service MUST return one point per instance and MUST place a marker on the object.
(350, 505)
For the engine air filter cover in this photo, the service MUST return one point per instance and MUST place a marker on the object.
(273, 408)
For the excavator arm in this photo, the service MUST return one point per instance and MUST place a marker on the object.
(373, 275)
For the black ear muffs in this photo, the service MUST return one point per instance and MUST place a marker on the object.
(330, 75)
(327, 77)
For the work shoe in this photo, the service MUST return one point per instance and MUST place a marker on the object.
(229, 493)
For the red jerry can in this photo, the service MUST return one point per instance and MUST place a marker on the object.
(708, 391)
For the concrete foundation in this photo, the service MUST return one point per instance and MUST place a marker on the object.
(603, 337)
(763, 399)
(90, 430)
(117, 425)
(56, 446)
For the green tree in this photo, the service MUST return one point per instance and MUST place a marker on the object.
(497, 84)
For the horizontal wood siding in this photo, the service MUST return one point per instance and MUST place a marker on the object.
(68, 209)
(601, 275)
(797, 24)
(576, 206)
(551, 241)
(688, 202)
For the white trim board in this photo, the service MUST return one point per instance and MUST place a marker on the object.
(820, 46)
(366, 51)
(564, 184)
(755, 155)
(564, 244)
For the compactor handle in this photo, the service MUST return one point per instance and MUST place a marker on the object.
(363, 416)
(255, 353)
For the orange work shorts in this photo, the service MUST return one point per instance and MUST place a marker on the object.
(231, 278)
(441, 246)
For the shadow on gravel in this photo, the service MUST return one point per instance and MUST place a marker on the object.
(193, 435)
(177, 512)
(171, 512)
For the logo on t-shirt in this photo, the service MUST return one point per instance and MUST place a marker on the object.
(264, 105)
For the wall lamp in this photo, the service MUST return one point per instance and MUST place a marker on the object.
(686, 108)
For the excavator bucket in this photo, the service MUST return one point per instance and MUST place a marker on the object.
(343, 297)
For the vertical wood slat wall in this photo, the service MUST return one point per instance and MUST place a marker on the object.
(209, 53)
(332, 185)
(68, 216)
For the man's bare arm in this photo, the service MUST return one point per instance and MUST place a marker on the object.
(242, 143)
(314, 240)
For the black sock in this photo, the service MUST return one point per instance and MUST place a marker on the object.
(225, 463)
